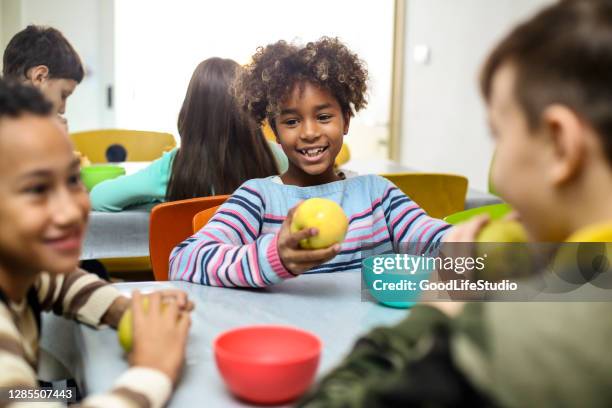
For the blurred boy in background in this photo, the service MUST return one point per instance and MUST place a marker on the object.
(43, 57)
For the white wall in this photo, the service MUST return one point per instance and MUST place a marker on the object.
(156, 57)
(10, 21)
(106, 53)
(81, 22)
(1, 30)
(444, 123)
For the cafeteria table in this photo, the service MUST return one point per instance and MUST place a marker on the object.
(126, 233)
(329, 305)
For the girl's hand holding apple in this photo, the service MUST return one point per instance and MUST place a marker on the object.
(296, 259)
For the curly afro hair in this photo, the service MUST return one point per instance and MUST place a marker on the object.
(275, 70)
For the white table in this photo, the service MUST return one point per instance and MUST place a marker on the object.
(133, 167)
(329, 305)
(126, 234)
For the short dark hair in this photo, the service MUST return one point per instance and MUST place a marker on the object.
(38, 45)
(561, 55)
(17, 99)
(278, 67)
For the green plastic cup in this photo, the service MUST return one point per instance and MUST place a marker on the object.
(494, 211)
(97, 173)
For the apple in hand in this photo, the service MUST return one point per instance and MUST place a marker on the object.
(503, 231)
(324, 215)
(125, 328)
(507, 254)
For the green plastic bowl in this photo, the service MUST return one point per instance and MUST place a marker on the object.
(95, 174)
(495, 212)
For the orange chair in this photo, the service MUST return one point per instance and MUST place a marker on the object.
(170, 224)
(201, 218)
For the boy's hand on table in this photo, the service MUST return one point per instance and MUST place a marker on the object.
(122, 303)
(293, 257)
(160, 335)
(177, 296)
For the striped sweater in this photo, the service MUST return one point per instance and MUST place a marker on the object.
(86, 298)
(238, 246)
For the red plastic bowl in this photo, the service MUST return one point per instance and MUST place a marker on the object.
(267, 364)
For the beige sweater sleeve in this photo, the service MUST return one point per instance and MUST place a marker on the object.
(137, 387)
(79, 295)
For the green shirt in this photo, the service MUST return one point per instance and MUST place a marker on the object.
(149, 185)
(529, 354)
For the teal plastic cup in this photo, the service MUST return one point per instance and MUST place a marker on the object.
(391, 283)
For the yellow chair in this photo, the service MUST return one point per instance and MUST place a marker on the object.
(139, 145)
(118, 265)
(343, 156)
(268, 132)
(438, 194)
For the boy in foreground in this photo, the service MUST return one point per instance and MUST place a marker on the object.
(43, 217)
(547, 88)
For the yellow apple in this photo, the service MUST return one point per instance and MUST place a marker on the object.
(507, 255)
(343, 156)
(324, 215)
(124, 330)
(502, 231)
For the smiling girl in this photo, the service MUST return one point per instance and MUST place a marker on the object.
(308, 94)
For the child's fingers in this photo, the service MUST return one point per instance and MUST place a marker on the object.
(170, 312)
(137, 312)
(290, 214)
(189, 306)
(289, 218)
(467, 231)
(513, 216)
(293, 240)
(305, 266)
(473, 227)
(176, 295)
(313, 255)
(318, 262)
(155, 303)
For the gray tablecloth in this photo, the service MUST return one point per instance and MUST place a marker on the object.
(328, 305)
(117, 235)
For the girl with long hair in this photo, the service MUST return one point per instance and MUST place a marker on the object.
(221, 147)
